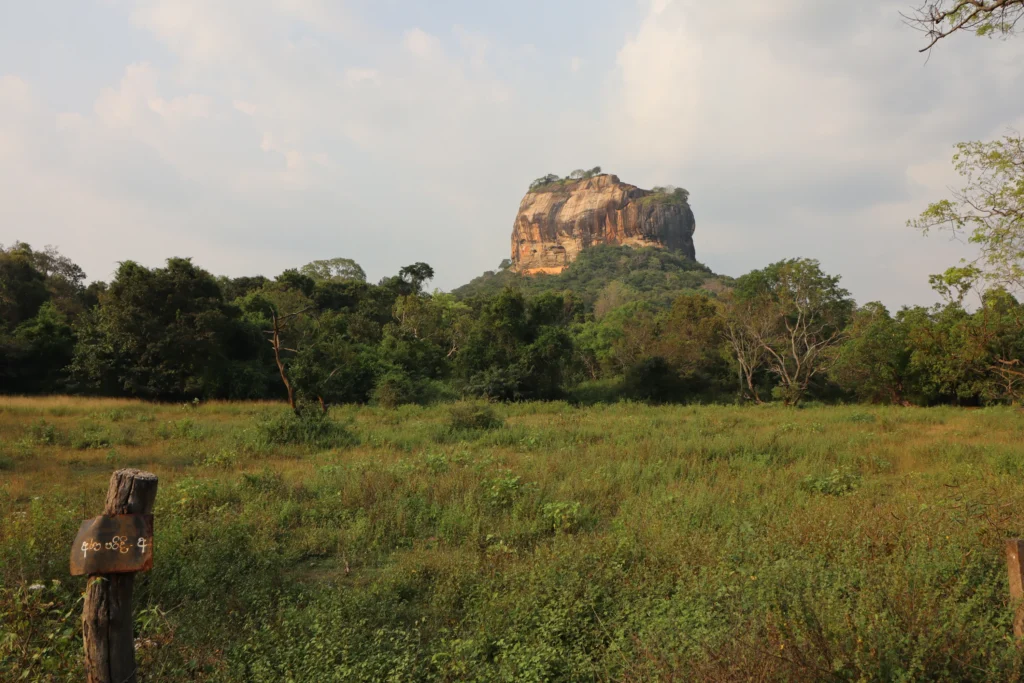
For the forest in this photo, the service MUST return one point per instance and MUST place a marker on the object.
(619, 323)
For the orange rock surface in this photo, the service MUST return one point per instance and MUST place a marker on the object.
(554, 225)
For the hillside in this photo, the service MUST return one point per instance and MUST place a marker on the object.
(650, 273)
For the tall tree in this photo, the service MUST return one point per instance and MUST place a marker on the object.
(22, 285)
(334, 270)
(874, 361)
(795, 314)
(989, 210)
(160, 333)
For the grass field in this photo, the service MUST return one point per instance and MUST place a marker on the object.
(623, 542)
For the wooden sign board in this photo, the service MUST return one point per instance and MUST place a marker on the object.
(118, 544)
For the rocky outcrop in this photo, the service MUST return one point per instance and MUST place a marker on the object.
(556, 222)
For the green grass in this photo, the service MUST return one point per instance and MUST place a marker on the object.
(616, 542)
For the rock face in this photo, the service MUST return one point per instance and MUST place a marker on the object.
(554, 225)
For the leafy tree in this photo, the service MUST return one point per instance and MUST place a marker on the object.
(517, 349)
(615, 295)
(329, 367)
(22, 286)
(416, 275)
(948, 354)
(989, 210)
(334, 270)
(692, 339)
(874, 361)
(34, 357)
(541, 182)
(284, 312)
(294, 280)
(653, 379)
(793, 315)
(237, 287)
(160, 333)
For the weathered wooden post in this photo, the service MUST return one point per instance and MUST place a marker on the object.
(1015, 566)
(110, 548)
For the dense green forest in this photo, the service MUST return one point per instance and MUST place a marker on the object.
(620, 323)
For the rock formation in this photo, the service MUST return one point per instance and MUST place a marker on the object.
(558, 221)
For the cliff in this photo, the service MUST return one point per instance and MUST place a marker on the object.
(558, 221)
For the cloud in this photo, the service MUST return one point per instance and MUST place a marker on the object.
(247, 108)
(421, 44)
(806, 128)
(357, 76)
(260, 134)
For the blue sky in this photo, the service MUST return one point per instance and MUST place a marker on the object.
(257, 135)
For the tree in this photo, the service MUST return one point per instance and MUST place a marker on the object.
(416, 275)
(22, 286)
(747, 324)
(989, 210)
(283, 311)
(874, 361)
(948, 354)
(939, 19)
(792, 315)
(544, 180)
(334, 270)
(162, 333)
(33, 359)
(692, 334)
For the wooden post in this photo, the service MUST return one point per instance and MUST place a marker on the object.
(1015, 566)
(107, 620)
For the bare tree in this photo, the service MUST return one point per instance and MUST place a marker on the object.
(939, 19)
(745, 328)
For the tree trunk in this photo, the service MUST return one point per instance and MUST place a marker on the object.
(276, 343)
(107, 614)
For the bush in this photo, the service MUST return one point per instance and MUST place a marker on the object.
(471, 415)
(310, 426)
(562, 517)
(835, 483)
(395, 388)
(44, 433)
(653, 379)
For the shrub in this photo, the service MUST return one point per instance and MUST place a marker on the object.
(44, 433)
(310, 426)
(562, 517)
(653, 379)
(265, 482)
(225, 458)
(91, 436)
(395, 388)
(473, 415)
(836, 483)
(501, 492)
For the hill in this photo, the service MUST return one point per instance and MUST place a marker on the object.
(649, 273)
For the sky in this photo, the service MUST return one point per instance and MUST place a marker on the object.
(259, 135)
